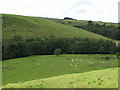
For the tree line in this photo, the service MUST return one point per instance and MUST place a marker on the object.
(19, 47)
(103, 29)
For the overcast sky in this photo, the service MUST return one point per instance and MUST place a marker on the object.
(96, 10)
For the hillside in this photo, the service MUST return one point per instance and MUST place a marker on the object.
(80, 22)
(39, 27)
(106, 78)
(107, 29)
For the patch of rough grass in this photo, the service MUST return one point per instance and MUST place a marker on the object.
(107, 78)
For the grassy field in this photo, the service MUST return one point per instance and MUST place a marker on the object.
(30, 27)
(107, 78)
(45, 66)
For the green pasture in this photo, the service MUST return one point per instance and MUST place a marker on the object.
(45, 66)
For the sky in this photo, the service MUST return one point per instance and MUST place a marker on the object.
(95, 10)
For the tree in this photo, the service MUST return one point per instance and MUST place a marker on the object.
(118, 55)
(57, 51)
(118, 47)
(90, 23)
(18, 47)
(17, 38)
(68, 18)
(74, 48)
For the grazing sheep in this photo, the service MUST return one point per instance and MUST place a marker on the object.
(88, 62)
(76, 59)
(72, 59)
(37, 63)
(75, 65)
(91, 63)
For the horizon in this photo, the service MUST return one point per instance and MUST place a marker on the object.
(58, 18)
(95, 10)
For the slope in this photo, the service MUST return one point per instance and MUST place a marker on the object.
(39, 27)
(107, 78)
(107, 29)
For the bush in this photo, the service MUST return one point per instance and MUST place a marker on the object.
(118, 55)
(57, 51)
(107, 57)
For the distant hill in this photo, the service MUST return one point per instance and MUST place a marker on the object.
(107, 29)
(73, 22)
(39, 27)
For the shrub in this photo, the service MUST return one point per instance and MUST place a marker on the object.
(107, 57)
(118, 55)
(57, 51)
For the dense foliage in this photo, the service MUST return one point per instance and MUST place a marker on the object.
(108, 31)
(18, 47)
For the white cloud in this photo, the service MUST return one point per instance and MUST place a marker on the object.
(100, 10)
